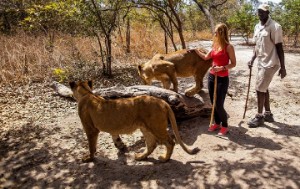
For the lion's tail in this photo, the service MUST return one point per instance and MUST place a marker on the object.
(177, 136)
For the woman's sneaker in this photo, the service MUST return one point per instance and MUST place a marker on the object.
(256, 122)
(223, 131)
(214, 127)
(269, 117)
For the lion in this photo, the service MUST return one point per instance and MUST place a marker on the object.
(166, 68)
(124, 116)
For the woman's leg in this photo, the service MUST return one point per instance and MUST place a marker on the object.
(210, 85)
(223, 83)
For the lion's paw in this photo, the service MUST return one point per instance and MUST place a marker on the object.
(163, 159)
(191, 91)
(87, 159)
(140, 156)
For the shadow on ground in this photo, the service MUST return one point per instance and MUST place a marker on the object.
(29, 160)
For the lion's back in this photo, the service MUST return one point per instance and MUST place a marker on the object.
(124, 115)
(187, 63)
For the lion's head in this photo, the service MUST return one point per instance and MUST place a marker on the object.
(81, 88)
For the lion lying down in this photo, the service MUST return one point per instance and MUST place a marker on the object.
(166, 68)
(123, 116)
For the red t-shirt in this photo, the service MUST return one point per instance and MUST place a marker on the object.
(220, 58)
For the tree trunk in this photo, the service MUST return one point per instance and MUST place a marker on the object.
(101, 52)
(128, 36)
(179, 24)
(172, 36)
(183, 107)
(208, 16)
(166, 41)
(296, 36)
(109, 54)
(180, 33)
(168, 30)
(7, 26)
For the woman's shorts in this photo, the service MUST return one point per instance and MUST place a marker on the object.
(264, 77)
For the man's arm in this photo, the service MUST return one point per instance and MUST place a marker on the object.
(279, 49)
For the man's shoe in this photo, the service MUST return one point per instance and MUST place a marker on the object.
(223, 131)
(214, 127)
(269, 118)
(256, 122)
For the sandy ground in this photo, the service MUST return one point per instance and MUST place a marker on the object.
(46, 153)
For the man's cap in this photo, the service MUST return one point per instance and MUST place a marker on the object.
(264, 7)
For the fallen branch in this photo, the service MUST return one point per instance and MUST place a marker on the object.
(184, 107)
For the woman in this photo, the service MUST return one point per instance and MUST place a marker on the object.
(223, 57)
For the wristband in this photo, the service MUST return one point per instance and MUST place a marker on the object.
(224, 68)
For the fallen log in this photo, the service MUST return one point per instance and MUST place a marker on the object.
(184, 107)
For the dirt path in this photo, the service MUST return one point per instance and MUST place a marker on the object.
(42, 148)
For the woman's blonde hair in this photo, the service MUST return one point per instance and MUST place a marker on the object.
(221, 40)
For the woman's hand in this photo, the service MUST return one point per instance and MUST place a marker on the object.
(218, 68)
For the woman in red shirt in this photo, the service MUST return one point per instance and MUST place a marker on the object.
(223, 56)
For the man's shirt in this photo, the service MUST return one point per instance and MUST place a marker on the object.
(265, 38)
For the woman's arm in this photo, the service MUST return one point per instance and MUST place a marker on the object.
(231, 53)
(203, 55)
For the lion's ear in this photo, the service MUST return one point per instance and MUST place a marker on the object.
(90, 83)
(72, 84)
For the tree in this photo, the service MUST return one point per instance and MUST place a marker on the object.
(206, 7)
(167, 26)
(291, 19)
(104, 14)
(243, 21)
(51, 17)
(11, 12)
(167, 13)
(193, 19)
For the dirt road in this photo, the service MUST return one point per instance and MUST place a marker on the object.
(42, 142)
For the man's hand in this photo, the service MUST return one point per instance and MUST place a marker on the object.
(250, 64)
(282, 73)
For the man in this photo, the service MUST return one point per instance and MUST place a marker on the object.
(270, 55)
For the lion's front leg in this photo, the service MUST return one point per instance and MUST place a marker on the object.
(166, 83)
(196, 88)
(119, 143)
(173, 78)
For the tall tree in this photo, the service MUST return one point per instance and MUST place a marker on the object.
(51, 17)
(206, 6)
(291, 19)
(243, 21)
(106, 14)
(166, 8)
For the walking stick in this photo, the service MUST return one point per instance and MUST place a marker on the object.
(214, 101)
(247, 92)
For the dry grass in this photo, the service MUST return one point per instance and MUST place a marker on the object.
(26, 58)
